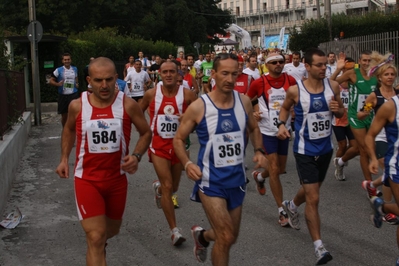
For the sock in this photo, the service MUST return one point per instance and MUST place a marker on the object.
(280, 210)
(371, 184)
(317, 244)
(202, 240)
(175, 230)
(341, 162)
(293, 207)
(260, 178)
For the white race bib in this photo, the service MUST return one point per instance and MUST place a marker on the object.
(167, 126)
(360, 101)
(68, 86)
(208, 72)
(228, 149)
(319, 124)
(136, 86)
(345, 98)
(104, 135)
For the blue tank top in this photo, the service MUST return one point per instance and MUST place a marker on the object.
(222, 134)
(392, 132)
(313, 121)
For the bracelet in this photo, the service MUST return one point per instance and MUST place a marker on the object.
(261, 150)
(187, 163)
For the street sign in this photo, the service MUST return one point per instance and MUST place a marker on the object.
(35, 27)
(197, 45)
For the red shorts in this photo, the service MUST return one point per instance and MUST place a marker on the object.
(166, 154)
(95, 198)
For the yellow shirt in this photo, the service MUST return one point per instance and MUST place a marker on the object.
(193, 72)
(263, 69)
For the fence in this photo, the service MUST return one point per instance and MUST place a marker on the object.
(387, 42)
(12, 99)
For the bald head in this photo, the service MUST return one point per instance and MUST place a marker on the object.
(101, 62)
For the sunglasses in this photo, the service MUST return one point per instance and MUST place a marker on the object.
(275, 62)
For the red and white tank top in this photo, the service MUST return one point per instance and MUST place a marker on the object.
(103, 137)
(164, 113)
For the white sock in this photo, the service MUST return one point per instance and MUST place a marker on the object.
(280, 210)
(371, 184)
(340, 162)
(260, 178)
(175, 230)
(293, 207)
(317, 244)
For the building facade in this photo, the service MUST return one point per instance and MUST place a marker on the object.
(252, 15)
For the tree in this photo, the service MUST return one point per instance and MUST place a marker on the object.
(179, 21)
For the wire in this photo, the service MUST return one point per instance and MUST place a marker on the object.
(215, 15)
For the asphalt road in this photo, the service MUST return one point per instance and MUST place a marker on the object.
(50, 233)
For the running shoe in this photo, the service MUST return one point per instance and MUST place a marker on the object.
(175, 203)
(339, 170)
(260, 185)
(376, 218)
(177, 238)
(322, 255)
(371, 191)
(397, 261)
(200, 251)
(155, 185)
(293, 217)
(391, 219)
(283, 219)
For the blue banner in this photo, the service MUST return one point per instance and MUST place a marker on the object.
(271, 42)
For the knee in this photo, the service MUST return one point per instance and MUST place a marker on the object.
(96, 238)
(226, 238)
(312, 200)
(112, 232)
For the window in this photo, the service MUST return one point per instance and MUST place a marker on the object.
(264, 6)
(237, 11)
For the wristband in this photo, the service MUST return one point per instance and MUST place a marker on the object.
(279, 123)
(261, 150)
(137, 155)
(187, 163)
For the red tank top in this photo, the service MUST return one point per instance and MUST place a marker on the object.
(242, 83)
(189, 80)
(103, 137)
(164, 113)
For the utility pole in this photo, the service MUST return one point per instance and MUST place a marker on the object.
(327, 14)
(35, 60)
(318, 8)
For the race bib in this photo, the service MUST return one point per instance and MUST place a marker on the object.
(273, 118)
(208, 72)
(68, 86)
(104, 135)
(319, 125)
(360, 101)
(167, 126)
(137, 87)
(345, 98)
(228, 149)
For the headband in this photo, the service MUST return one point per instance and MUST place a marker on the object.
(274, 57)
(387, 61)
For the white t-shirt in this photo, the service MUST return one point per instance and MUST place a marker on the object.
(137, 81)
(254, 73)
(197, 64)
(296, 72)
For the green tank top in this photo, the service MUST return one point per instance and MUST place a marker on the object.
(206, 68)
(358, 92)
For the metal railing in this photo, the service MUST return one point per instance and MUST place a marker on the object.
(387, 42)
(12, 99)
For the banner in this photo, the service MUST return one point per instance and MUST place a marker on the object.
(272, 42)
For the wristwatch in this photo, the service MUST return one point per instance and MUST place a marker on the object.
(279, 123)
(137, 155)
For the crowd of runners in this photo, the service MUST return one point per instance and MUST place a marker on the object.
(266, 97)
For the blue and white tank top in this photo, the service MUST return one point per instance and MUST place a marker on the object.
(221, 134)
(313, 121)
